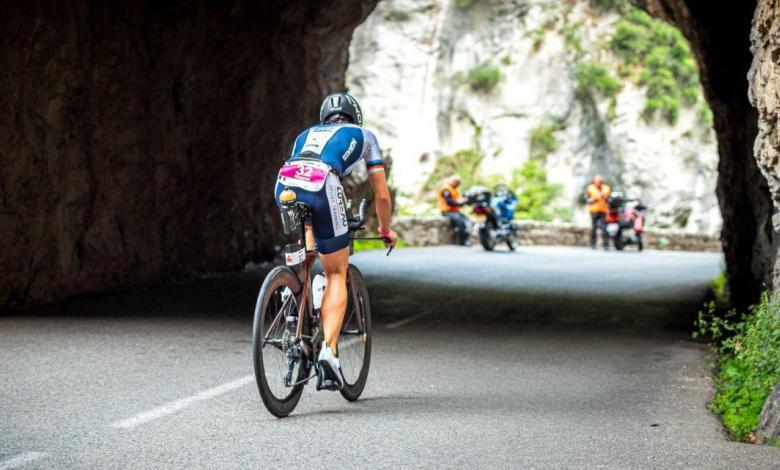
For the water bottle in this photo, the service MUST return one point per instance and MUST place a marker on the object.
(318, 290)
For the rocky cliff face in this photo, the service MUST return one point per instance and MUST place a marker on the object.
(748, 139)
(411, 65)
(764, 79)
(140, 139)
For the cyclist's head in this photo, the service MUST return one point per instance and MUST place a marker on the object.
(598, 180)
(337, 107)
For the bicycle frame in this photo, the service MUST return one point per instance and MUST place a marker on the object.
(304, 298)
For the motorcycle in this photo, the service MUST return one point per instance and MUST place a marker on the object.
(625, 221)
(496, 213)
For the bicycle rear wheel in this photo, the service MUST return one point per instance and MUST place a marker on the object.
(272, 348)
(355, 337)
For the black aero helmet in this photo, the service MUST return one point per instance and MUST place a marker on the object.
(341, 103)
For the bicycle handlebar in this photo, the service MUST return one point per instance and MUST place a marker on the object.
(354, 225)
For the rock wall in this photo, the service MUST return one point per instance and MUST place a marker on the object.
(764, 79)
(431, 231)
(140, 139)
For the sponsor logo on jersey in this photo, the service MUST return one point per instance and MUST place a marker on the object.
(350, 149)
(342, 206)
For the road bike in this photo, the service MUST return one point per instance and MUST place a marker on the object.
(287, 334)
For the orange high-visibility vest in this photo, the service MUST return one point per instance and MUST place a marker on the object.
(443, 206)
(600, 195)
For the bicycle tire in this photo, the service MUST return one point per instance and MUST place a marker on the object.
(355, 283)
(279, 277)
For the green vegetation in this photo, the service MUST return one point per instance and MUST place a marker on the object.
(748, 350)
(537, 195)
(365, 245)
(463, 162)
(543, 141)
(538, 38)
(594, 79)
(484, 77)
(570, 37)
(464, 4)
(663, 59)
(705, 114)
(610, 5)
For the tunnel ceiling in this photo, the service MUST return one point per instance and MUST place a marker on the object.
(139, 139)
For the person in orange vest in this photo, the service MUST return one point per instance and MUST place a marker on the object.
(598, 192)
(449, 206)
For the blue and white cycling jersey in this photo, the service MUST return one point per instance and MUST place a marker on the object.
(340, 146)
(322, 155)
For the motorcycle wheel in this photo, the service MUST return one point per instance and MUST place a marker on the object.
(617, 240)
(487, 240)
(511, 241)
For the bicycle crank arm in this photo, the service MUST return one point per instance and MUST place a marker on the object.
(304, 380)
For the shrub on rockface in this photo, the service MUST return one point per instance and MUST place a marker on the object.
(592, 77)
(663, 60)
(484, 77)
(463, 162)
(542, 141)
(537, 197)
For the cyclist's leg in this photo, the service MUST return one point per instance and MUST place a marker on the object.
(334, 302)
(329, 221)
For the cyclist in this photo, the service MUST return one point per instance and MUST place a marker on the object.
(321, 155)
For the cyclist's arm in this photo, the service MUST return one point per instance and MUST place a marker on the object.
(384, 205)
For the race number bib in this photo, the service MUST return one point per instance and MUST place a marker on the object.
(306, 175)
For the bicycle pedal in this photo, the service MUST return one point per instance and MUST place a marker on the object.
(324, 383)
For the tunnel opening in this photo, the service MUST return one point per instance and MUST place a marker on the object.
(720, 35)
(140, 138)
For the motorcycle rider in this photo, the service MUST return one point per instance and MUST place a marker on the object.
(450, 202)
(336, 145)
(597, 194)
(504, 203)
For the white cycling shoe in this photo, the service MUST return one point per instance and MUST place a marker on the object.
(330, 377)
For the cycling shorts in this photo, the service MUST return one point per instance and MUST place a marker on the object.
(328, 212)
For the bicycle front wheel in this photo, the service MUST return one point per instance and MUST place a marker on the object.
(278, 364)
(355, 337)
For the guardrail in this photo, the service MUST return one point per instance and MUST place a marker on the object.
(431, 231)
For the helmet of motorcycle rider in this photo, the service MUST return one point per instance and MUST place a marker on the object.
(340, 104)
(502, 192)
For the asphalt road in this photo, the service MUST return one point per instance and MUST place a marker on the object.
(509, 360)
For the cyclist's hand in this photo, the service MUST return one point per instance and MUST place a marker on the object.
(389, 237)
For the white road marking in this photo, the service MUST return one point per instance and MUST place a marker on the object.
(21, 459)
(180, 404)
(405, 321)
